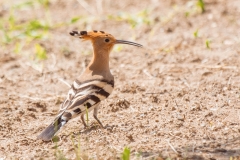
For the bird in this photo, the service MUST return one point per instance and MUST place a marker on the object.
(94, 85)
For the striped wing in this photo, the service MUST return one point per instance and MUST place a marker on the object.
(87, 94)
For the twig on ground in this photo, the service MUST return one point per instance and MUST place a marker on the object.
(35, 67)
(185, 82)
(99, 6)
(216, 67)
(38, 99)
(173, 99)
(147, 73)
(154, 93)
(152, 157)
(132, 109)
(63, 81)
(54, 61)
(86, 6)
(172, 147)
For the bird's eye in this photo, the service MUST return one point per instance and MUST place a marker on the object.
(107, 40)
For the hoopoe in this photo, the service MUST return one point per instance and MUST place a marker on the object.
(95, 84)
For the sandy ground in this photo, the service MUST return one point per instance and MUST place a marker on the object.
(175, 98)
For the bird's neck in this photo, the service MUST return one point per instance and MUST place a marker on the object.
(100, 61)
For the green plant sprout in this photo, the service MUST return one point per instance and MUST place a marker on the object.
(201, 5)
(195, 34)
(126, 154)
(133, 20)
(87, 115)
(207, 43)
(58, 153)
(17, 48)
(44, 3)
(75, 19)
(77, 148)
(194, 7)
(40, 52)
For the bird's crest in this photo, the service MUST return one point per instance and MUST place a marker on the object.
(90, 34)
(94, 35)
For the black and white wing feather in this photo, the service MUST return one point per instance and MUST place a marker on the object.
(81, 96)
(86, 94)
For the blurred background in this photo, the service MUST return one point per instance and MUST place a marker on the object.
(183, 85)
(28, 25)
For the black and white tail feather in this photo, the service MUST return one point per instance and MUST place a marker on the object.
(52, 129)
(81, 96)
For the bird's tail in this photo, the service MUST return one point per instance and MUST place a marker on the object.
(52, 129)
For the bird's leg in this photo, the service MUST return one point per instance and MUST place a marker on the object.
(95, 111)
(83, 121)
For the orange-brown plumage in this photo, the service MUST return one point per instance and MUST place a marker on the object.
(92, 86)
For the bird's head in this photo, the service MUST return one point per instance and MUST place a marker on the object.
(100, 39)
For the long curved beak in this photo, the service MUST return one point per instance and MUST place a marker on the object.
(128, 42)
